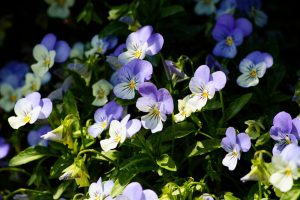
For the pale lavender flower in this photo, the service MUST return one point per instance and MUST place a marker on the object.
(103, 117)
(100, 190)
(285, 130)
(134, 191)
(29, 109)
(157, 103)
(141, 43)
(131, 76)
(234, 144)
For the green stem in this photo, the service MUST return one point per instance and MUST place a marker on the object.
(259, 189)
(143, 143)
(222, 102)
(205, 134)
(78, 195)
(167, 72)
(96, 152)
(22, 190)
(15, 170)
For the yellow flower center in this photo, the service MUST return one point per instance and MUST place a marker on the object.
(27, 119)
(288, 171)
(156, 112)
(47, 62)
(235, 153)
(61, 2)
(132, 84)
(13, 98)
(183, 113)
(229, 41)
(137, 54)
(101, 93)
(288, 140)
(33, 87)
(118, 138)
(99, 50)
(103, 125)
(253, 73)
(205, 94)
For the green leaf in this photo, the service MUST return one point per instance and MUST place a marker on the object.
(166, 162)
(212, 105)
(69, 104)
(203, 147)
(264, 138)
(171, 10)
(114, 28)
(229, 196)
(29, 154)
(235, 107)
(62, 163)
(292, 194)
(61, 188)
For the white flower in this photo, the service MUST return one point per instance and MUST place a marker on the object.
(100, 91)
(250, 73)
(99, 45)
(231, 158)
(9, 96)
(100, 190)
(32, 84)
(59, 8)
(44, 58)
(284, 175)
(185, 109)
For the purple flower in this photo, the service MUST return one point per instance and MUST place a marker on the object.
(100, 190)
(157, 103)
(141, 43)
(203, 86)
(258, 57)
(29, 109)
(134, 191)
(174, 72)
(13, 73)
(112, 59)
(34, 136)
(103, 117)
(285, 130)
(229, 33)
(234, 144)
(101, 45)
(4, 148)
(61, 47)
(131, 76)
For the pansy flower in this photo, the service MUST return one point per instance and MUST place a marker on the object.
(103, 117)
(229, 33)
(141, 43)
(29, 109)
(101, 45)
(118, 131)
(286, 166)
(101, 89)
(174, 72)
(205, 7)
(131, 76)
(185, 109)
(134, 191)
(100, 190)
(203, 86)
(44, 58)
(8, 96)
(234, 144)
(285, 130)
(32, 83)
(59, 8)
(112, 59)
(4, 148)
(258, 57)
(157, 103)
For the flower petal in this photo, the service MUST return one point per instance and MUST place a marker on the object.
(133, 126)
(123, 91)
(133, 191)
(46, 110)
(23, 107)
(152, 122)
(283, 120)
(244, 141)
(223, 50)
(145, 104)
(150, 195)
(202, 73)
(155, 43)
(108, 144)
(96, 129)
(16, 122)
(244, 25)
(281, 181)
(245, 81)
(219, 80)
(62, 50)
(49, 41)
(230, 161)
(40, 52)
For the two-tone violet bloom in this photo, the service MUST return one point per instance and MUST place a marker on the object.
(286, 168)
(34, 136)
(101, 45)
(131, 76)
(4, 148)
(103, 116)
(230, 33)
(285, 130)
(100, 190)
(157, 103)
(234, 144)
(141, 43)
(29, 109)
(134, 191)
(118, 131)
(253, 67)
(203, 86)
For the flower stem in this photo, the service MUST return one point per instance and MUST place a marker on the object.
(222, 102)
(96, 152)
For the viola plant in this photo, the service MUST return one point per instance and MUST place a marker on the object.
(143, 100)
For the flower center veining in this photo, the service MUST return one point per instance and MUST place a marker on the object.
(137, 54)
(27, 119)
(229, 41)
(132, 84)
(101, 93)
(253, 73)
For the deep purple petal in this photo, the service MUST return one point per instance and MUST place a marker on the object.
(49, 41)
(202, 74)
(226, 20)
(165, 99)
(133, 191)
(219, 80)
(244, 141)
(244, 25)
(148, 89)
(155, 44)
(46, 110)
(283, 120)
(237, 36)
(62, 50)
(220, 32)
(120, 49)
(296, 127)
(223, 50)
(113, 109)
